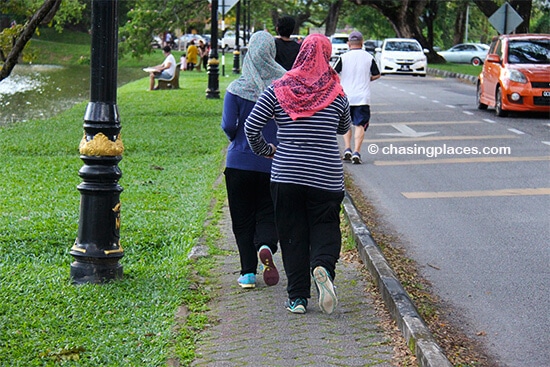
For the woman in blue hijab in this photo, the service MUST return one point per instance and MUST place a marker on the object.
(247, 176)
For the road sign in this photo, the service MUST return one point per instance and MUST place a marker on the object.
(505, 19)
(227, 4)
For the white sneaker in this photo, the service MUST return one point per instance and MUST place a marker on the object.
(327, 296)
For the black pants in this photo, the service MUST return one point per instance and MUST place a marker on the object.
(252, 216)
(308, 223)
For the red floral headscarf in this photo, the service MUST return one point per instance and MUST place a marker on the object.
(311, 84)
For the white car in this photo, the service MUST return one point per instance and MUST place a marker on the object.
(466, 53)
(402, 56)
(339, 43)
(228, 41)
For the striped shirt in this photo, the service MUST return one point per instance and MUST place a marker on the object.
(308, 152)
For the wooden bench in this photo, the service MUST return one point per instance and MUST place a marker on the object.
(173, 83)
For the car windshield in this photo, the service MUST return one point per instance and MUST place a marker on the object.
(529, 52)
(402, 46)
(340, 41)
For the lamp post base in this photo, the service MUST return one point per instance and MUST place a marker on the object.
(87, 270)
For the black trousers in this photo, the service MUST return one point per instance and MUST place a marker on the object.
(308, 223)
(252, 215)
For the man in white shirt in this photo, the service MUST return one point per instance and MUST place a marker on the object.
(164, 71)
(357, 69)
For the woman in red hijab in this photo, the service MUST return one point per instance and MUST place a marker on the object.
(307, 177)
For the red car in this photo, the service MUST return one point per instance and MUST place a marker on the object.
(516, 74)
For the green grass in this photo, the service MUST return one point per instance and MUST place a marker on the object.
(458, 68)
(174, 152)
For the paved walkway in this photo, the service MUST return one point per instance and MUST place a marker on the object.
(254, 329)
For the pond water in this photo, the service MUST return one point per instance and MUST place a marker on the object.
(42, 91)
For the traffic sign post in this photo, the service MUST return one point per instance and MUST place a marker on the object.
(505, 19)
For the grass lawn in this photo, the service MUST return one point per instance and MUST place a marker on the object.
(174, 153)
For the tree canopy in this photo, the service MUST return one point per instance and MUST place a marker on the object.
(429, 21)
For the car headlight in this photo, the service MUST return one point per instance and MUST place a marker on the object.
(388, 59)
(420, 59)
(516, 76)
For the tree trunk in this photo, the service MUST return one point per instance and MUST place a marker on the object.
(331, 21)
(45, 10)
(431, 15)
(460, 22)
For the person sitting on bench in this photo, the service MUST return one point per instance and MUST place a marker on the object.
(164, 71)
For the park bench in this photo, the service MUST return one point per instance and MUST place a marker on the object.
(173, 83)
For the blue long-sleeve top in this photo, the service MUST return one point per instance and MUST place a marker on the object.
(239, 154)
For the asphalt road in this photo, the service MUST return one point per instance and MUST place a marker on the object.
(469, 195)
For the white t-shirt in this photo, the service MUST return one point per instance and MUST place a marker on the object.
(172, 60)
(355, 72)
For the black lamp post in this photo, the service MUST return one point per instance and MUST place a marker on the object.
(213, 90)
(237, 52)
(247, 22)
(97, 249)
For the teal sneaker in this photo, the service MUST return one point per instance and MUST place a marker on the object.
(327, 296)
(247, 280)
(298, 305)
(269, 271)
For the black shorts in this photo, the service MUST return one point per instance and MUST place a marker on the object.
(360, 115)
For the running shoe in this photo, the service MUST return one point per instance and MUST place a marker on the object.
(347, 155)
(327, 295)
(298, 305)
(247, 280)
(356, 158)
(269, 271)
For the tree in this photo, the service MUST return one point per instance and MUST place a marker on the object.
(333, 14)
(522, 7)
(13, 41)
(404, 16)
(45, 12)
(151, 17)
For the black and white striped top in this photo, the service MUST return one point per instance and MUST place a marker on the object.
(308, 152)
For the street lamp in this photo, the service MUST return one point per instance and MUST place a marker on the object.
(97, 248)
(213, 90)
(237, 52)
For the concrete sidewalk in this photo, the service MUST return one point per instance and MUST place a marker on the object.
(253, 328)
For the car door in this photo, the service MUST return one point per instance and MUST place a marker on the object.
(491, 71)
(456, 54)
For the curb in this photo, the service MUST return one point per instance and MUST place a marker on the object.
(417, 335)
(449, 74)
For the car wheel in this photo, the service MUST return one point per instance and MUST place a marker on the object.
(498, 104)
(480, 106)
(476, 61)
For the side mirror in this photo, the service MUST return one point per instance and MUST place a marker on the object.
(378, 49)
(493, 58)
(426, 51)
